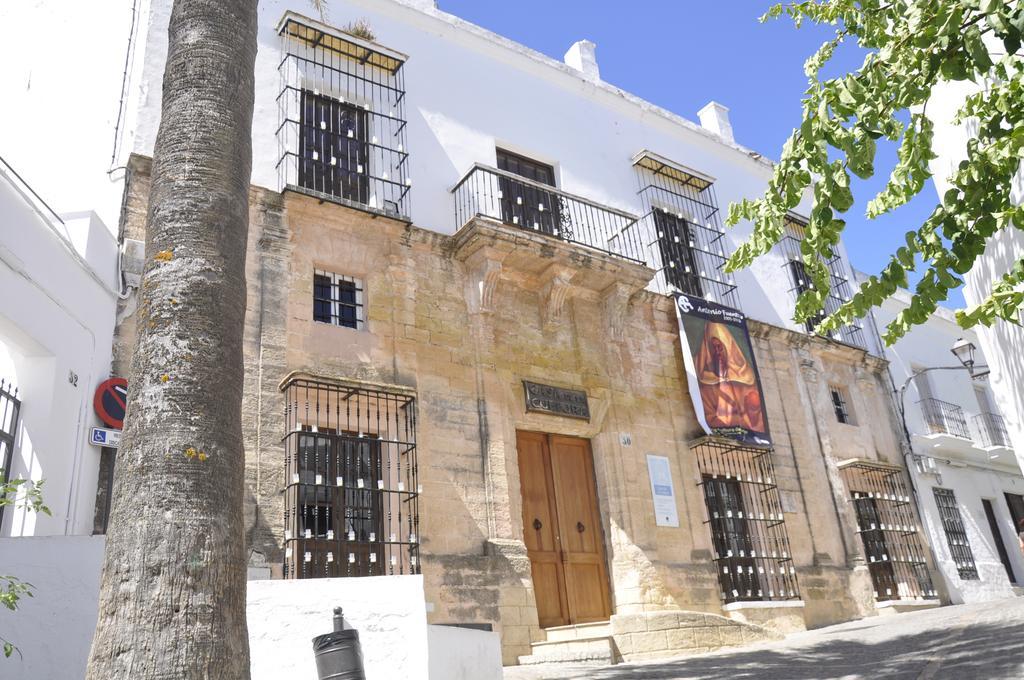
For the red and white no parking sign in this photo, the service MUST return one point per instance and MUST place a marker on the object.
(110, 400)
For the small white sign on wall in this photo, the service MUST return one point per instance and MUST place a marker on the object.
(662, 491)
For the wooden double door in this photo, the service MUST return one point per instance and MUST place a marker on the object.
(562, 529)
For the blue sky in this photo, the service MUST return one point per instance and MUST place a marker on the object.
(680, 54)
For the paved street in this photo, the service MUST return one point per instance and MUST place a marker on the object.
(965, 642)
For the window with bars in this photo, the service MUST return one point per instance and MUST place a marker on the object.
(681, 230)
(888, 529)
(351, 504)
(333, 151)
(527, 205)
(956, 533)
(341, 108)
(525, 167)
(676, 245)
(839, 405)
(745, 516)
(338, 300)
(839, 291)
(801, 284)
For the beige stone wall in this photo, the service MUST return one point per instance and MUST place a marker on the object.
(463, 320)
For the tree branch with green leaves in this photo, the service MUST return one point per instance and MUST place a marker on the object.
(913, 47)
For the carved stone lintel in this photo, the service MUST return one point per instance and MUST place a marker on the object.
(554, 291)
(615, 299)
(484, 268)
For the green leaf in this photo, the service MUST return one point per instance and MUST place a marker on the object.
(910, 46)
(976, 48)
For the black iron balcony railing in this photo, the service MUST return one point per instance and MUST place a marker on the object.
(992, 429)
(941, 417)
(543, 209)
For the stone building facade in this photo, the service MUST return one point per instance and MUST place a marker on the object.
(458, 322)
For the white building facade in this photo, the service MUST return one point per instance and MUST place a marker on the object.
(963, 464)
(56, 324)
(58, 298)
(1002, 340)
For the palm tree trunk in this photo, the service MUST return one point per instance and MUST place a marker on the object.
(172, 601)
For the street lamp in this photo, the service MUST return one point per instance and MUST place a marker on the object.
(964, 351)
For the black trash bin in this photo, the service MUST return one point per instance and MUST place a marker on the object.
(338, 654)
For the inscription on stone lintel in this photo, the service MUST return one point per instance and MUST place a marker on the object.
(556, 400)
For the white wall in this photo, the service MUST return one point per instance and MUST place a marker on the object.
(53, 629)
(972, 484)
(973, 473)
(56, 324)
(388, 611)
(469, 90)
(463, 654)
(61, 82)
(1003, 341)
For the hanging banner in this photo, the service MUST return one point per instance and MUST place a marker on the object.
(724, 384)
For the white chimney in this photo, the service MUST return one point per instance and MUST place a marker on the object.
(582, 56)
(715, 118)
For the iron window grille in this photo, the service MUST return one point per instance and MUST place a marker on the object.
(338, 300)
(839, 405)
(10, 409)
(992, 429)
(745, 516)
(889, 530)
(528, 204)
(352, 495)
(839, 289)
(956, 534)
(538, 207)
(342, 132)
(333, 148)
(942, 417)
(682, 230)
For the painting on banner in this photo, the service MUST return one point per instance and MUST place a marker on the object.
(724, 384)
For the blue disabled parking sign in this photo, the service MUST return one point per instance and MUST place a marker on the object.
(101, 436)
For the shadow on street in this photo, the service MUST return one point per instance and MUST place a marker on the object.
(986, 650)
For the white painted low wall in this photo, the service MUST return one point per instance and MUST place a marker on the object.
(53, 629)
(390, 614)
(388, 611)
(463, 654)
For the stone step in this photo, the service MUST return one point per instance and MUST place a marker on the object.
(592, 650)
(579, 631)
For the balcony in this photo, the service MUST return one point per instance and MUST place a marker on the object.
(545, 210)
(992, 430)
(942, 417)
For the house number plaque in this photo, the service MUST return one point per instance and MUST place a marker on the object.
(556, 400)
